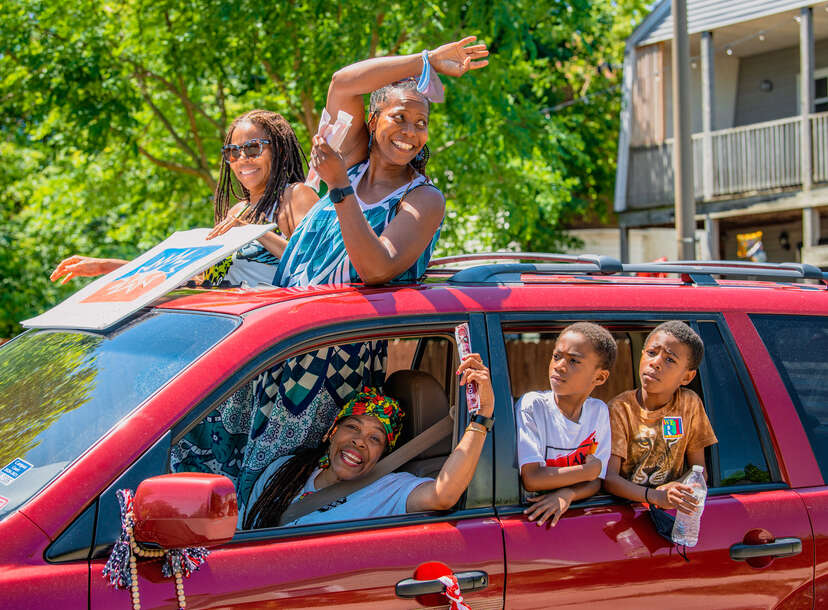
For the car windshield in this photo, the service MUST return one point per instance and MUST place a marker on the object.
(61, 390)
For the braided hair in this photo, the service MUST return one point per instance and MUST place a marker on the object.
(378, 99)
(287, 167)
(283, 486)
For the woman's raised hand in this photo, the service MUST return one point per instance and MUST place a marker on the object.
(328, 163)
(456, 58)
(84, 266)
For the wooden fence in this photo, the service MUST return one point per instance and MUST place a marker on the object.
(529, 368)
(528, 363)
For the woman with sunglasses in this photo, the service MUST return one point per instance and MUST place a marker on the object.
(381, 218)
(263, 155)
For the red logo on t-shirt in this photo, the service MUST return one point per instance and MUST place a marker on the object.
(576, 456)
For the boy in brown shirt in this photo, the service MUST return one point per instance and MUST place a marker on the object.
(660, 430)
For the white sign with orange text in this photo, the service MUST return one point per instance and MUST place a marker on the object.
(156, 272)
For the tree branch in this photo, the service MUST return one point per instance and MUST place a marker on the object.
(451, 143)
(181, 94)
(272, 75)
(220, 101)
(179, 140)
(375, 34)
(181, 169)
(400, 40)
(309, 116)
(193, 127)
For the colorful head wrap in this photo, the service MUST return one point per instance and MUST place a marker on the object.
(384, 408)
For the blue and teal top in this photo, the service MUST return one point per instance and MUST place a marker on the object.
(316, 253)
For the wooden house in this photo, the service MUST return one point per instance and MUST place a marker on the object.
(760, 130)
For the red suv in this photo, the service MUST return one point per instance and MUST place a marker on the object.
(85, 414)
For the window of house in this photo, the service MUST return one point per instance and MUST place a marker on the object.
(821, 93)
(820, 90)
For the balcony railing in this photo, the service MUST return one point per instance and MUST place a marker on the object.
(753, 158)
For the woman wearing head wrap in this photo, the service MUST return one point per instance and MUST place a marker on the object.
(381, 218)
(366, 428)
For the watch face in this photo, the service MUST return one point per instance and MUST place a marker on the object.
(338, 194)
(483, 420)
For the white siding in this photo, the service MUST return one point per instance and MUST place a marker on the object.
(703, 15)
(781, 68)
(726, 71)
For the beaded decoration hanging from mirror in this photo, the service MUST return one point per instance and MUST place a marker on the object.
(122, 566)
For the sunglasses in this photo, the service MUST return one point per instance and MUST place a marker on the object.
(252, 149)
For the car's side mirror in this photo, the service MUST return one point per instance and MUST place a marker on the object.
(185, 509)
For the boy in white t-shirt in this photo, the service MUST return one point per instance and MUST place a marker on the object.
(564, 435)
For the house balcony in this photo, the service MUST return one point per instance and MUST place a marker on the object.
(747, 160)
(758, 101)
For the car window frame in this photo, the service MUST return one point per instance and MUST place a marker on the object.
(784, 374)
(754, 406)
(507, 475)
(344, 332)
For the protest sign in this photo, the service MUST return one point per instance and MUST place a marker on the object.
(168, 265)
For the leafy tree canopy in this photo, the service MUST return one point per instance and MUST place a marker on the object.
(112, 114)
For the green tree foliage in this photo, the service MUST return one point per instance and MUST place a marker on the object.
(112, 114)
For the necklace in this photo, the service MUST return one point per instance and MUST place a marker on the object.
(122, 566)
(135, 552)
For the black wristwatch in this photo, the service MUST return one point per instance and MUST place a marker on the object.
(338, 195)
(486, 422)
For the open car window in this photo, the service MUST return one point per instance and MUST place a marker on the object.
(263, 422)
(739, 458)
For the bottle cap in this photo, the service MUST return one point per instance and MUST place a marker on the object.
(697, 468)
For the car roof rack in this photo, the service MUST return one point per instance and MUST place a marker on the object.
(699, 269)
(510, 272)
(698, 273)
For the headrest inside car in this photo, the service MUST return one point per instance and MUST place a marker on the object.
(425, 403)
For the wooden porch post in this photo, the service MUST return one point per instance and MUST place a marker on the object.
(806, 92)
(810, 227)
(685, 203)
(623, 165)
(711, 228)
(708, 105)
(624, 243)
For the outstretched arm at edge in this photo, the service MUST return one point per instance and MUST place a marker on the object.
(85, 266)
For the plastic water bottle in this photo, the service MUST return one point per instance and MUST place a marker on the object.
(686, 527)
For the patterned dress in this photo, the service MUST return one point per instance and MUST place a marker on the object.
(316, 253)
(293, 404)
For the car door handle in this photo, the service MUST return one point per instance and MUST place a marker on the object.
(468, 581)
(782, 547)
